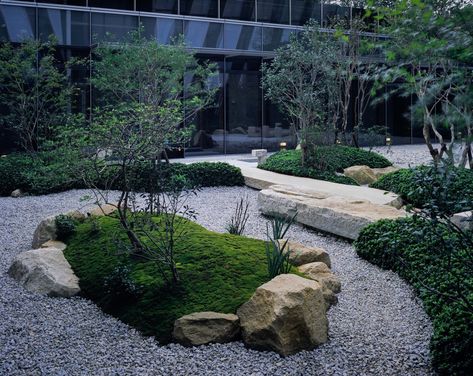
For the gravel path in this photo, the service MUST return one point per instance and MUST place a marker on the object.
(378, 327)
(406, 155)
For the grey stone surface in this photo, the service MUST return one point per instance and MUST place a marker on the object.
(377, 328)
(46, 230)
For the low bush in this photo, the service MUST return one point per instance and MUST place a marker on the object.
(65, 227)
(323, 162)
(44, 173)
(405, 183)
(218, 272)
(436, 262)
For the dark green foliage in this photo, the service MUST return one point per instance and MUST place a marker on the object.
(419, 185)
(431, 258)
(323, 162)
(277, 252)
(218, 272)
(43, 173)
(65, 227)
(239, 218)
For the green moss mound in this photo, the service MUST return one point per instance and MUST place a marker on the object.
(218, 272)
(405, 183)
(44, 173)
(323, 162)
(415, 250)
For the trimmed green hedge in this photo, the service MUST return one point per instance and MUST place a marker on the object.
(323, 162)
(218, 272)
(46, 173)
(413, 249)
(405, 183)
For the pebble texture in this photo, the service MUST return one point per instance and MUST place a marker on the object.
(378, 327)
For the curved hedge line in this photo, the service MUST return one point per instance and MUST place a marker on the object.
(411, 248)
(405, 183)
(323, 162)
(47, 173)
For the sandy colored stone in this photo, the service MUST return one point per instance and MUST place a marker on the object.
(45, 231)
(54, 244)
(301, 254)
(45, 271)
(379, 172)
(286, 315)
(337, 215)
(361, 174)
(201, 328)
(76, 214)
(102, 210)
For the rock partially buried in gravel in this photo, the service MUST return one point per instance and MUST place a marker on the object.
(286, 315)
(17, 193)
(331, 285)
(45, 231)
(379, 172)
(301, 254)
(102, 210)
(201, 328)
(45, 271)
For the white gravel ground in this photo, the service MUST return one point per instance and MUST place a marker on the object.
(378, 327)
(406, 155)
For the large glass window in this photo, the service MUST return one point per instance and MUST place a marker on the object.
(242, 37)
(161, 6)
(334, 14)
(69, 27)
(165, 30)
(203, 8)
(243, 104)
(275, 37)
(112, 26)
(238, 9)
(17, 23)
(303, 10)
(203, 34)
(113, 4)
(275, 11)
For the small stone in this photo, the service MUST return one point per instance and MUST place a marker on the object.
(301, 254)
(102, 210)
(54, 244)
(17, 193)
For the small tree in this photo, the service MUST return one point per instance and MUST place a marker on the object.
(298, 80)
(141, 110)
(35, 94)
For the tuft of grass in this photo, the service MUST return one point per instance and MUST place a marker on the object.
(219, 272)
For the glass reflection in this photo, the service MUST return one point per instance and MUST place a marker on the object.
(242, 37)
(273, 37)
(238, 9)
(303, 10)
(161, 6)
(274, 11)
(113, 4)
(203, 8)
(203, 34)
(69, 27)
(17, 23)
(112, 26)
(335, 13)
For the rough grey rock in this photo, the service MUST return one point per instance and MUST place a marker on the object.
(45, 271)
(202, 328)
(17, 193)
(361, 174)
(334, 214)
(54, 244)
(379, 172)
(463, 220)
(286, 315)
(45, 231)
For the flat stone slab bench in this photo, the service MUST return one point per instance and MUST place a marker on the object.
(339, 215)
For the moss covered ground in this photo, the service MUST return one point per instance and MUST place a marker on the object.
(218, 272)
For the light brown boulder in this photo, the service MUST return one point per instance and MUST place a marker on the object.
(301, 254)
(54, 244)
(45, 231)
(339, 215)
(45, 271)
(76, 214)
(286, 315)
(379, 172)
(331, 285)
(102, 210)
(201, 328)
(361, 174)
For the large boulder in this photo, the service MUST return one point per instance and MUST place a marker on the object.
(45, 271)
(201, 328)
(45, 231)
(320, 272)
(102, 210)
(361, 174)
(286, 315)
(301, 254)
(463, 220)
(339, 215)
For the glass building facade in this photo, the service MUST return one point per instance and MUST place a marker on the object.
(238, 35)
